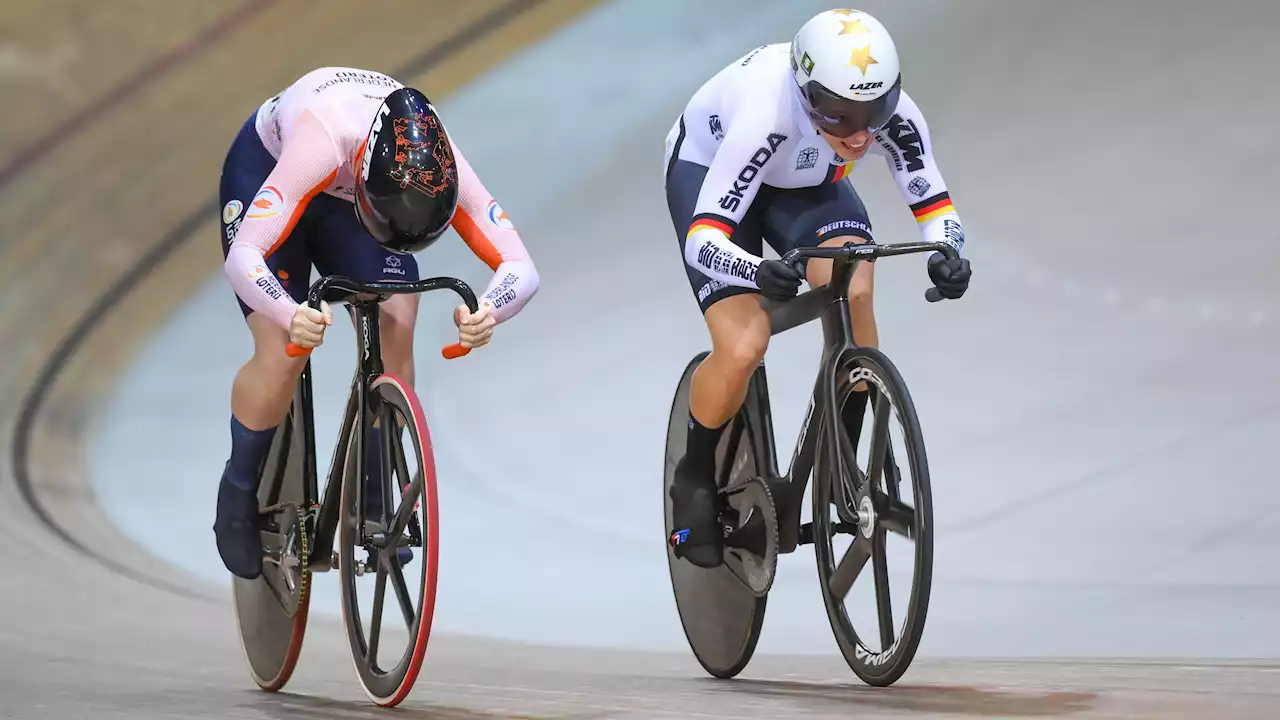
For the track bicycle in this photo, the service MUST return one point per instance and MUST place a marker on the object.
(299, 525)
(722, 609)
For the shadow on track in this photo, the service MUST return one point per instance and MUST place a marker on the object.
(907, 698)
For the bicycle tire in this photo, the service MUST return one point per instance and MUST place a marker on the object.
(879, 669)
(390, 687)
(271, 636)
(720, 616)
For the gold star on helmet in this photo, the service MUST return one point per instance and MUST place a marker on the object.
(861, 59)
(854, 28)
(844, 12)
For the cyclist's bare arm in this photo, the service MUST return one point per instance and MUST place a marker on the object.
(485, 229)
(308, 164)
(908, 149)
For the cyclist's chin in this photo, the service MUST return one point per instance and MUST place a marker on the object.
(850, 148)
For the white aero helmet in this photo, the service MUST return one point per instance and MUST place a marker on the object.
(846, 66)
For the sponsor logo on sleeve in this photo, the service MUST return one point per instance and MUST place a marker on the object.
(724, 262)
(717, 129)
(268, 203)
(953, 234)
(263, 278)
(733, 199)
(808, 158)
(906, 137)
(502, 293)
(919, 186)
(498, 217)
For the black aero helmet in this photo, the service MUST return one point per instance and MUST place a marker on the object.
(406, 176)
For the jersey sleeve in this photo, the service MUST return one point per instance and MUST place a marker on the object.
(908, 149)
(308, 163)
(732, 182)
(486, 229)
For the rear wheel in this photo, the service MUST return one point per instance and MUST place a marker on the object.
(872, 504)
(388, 631)
(271, 610)
(720, 614)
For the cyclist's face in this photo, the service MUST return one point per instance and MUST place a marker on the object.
(852, 147)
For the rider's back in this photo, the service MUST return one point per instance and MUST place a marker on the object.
(343, 99)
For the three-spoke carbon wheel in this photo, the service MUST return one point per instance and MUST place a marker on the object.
(398, 547)
(873, 522)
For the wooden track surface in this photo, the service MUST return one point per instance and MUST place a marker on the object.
(95, 184)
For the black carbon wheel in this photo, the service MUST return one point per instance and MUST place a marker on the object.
(271, 610)
(861, 512)
(721, 616)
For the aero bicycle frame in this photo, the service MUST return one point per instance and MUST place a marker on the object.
(830, 303)
(363, 300)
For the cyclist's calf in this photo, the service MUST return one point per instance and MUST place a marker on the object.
(740, 334)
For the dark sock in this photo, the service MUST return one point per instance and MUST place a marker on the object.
(248, 448)
(373, 467)
(702, 442)
(852, 413)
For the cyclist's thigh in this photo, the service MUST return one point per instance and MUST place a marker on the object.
(684, 183)
(808, 217)
(341, 246)
(243, 171)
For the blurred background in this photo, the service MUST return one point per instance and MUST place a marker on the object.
(1098, 409)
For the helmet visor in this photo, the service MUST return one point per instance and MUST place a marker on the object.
(841, 117)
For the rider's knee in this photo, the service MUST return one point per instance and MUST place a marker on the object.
(269, 356)
(745, 351)
(860, 290)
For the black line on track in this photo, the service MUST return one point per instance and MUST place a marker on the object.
(171, 242)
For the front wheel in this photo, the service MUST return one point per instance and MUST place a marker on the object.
(377, 546)
(864, 512)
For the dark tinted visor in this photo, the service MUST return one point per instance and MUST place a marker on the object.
(841, 117)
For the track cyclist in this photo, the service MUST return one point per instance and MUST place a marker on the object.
(761, 153)
(352, 172)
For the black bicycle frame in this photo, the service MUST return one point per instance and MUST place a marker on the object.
(363, 300)
(831, 304)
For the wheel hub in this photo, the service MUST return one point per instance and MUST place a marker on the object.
(866, 516)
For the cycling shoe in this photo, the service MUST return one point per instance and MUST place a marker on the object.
(237, 532)
(697, 535)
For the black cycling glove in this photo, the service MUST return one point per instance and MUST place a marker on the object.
(777, 280)
(951, 277)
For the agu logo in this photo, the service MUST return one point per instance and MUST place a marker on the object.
(498, 216)
(231, 211)
(268, 203)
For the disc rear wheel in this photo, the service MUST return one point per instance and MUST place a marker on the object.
(271, 610)
(721, 616)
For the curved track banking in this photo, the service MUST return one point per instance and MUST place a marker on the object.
(1106, 538)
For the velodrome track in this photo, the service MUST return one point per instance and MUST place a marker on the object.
(1098, 408)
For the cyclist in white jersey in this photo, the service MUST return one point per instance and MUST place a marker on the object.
(352, 172)
(761, 154)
